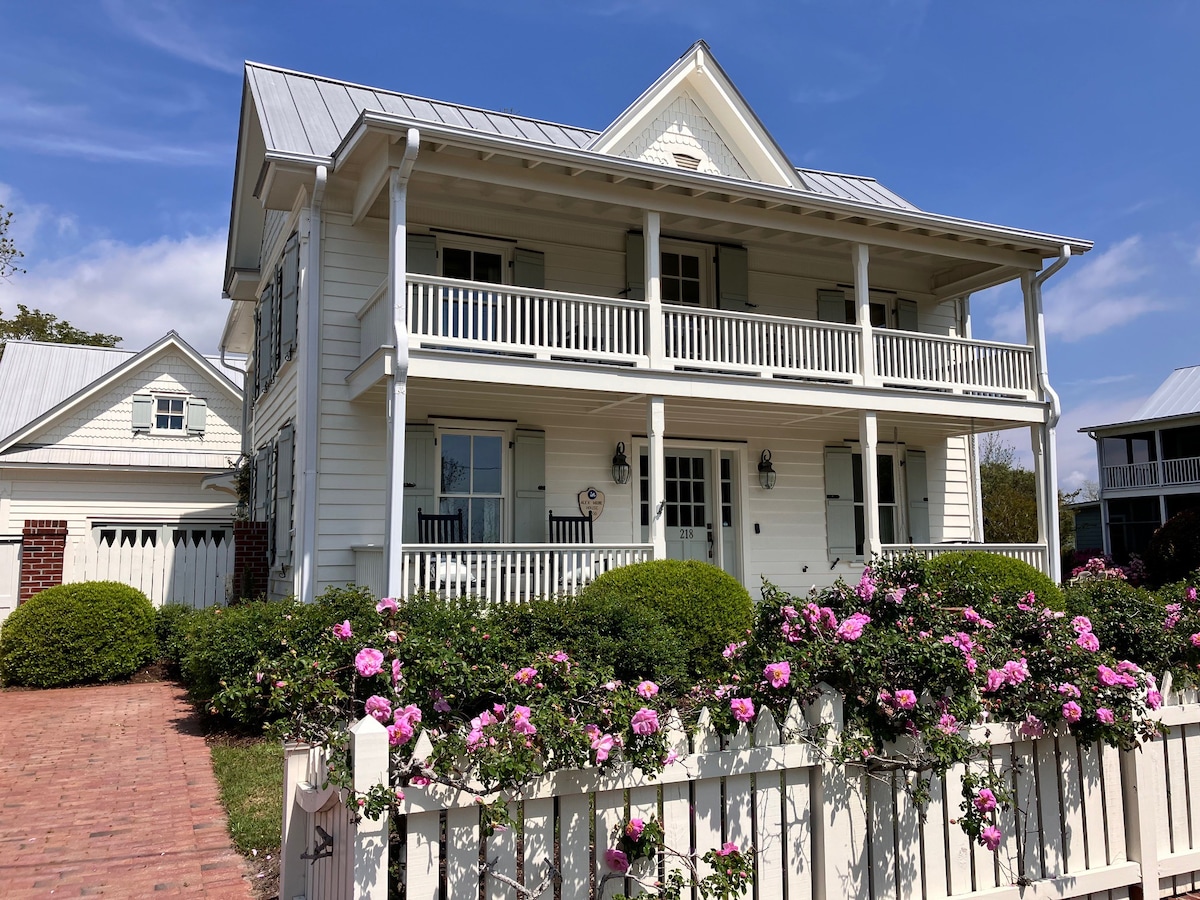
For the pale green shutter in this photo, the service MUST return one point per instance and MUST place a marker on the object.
(264, 355)
(906, 315)
(422, 255)
(143, 412)
(917, 485)
(635, 266)
(283, 496)
(530, 485)
(420, 477)
(839, 502)
(261, 474)
(289, 283)
(197, 412)
(832, 307)
(529, 269)
(733, 278)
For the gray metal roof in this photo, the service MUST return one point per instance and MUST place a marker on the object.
(35, 377)
(309, 115)
(1179, 395)
(118, 458)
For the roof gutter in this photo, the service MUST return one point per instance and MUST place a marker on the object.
(1064, 256)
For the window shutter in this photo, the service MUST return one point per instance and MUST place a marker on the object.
(839, 502)
(635, 266)
(733, 278)
(529, 269)
(197, 412)
(917, 485)
(422, 255)
(832, 307)
(283, 496)
(420, 476)
(143, 412)
(289, 299)
(530, 485)
(906, 315)
(260, 483)
(258, 343)
(264, 367)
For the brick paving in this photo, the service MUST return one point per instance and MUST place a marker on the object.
(109, 791)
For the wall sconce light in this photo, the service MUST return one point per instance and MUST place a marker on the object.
(620, 465)
(766, 472)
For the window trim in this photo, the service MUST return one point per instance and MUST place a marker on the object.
(506, 433)
(156, 398)
(706, 253)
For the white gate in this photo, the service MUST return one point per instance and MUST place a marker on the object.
(10, 574)
(182, 563)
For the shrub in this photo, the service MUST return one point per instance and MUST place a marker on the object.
(172, 623)
(77, 633)
(965, 578)
(1174, 550)
(705, 607)
(1130, 621)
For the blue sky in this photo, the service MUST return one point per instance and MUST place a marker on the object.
(119, 120)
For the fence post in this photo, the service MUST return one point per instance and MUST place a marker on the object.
(293, 870)
(838, 811)
(369, 756)
(1141, 770)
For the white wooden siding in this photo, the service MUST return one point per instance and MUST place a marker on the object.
(106, 421)
(272, 229)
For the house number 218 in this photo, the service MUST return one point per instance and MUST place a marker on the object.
(685, 534)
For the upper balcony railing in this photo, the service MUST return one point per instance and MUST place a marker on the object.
(445, 313)
(1166, 472)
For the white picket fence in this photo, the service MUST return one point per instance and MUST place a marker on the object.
(191, 569)
(1089, 820)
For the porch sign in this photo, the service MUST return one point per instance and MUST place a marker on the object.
(591, 501)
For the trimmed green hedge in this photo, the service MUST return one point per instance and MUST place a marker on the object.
(704, 607)
(967, 577)
(76, 634)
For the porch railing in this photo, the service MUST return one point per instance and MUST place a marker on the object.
(499, 573)
(930, 360)
(1131, 475)
(1181, 471)
(1033, 554)
(760, 345)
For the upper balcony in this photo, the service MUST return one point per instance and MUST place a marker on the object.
(1155, 473)
(544, 327)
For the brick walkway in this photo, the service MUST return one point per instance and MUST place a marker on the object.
(109, 791)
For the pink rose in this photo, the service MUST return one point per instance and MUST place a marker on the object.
(905, 699)
(734, 649)
(948, 724)
(985, 800)
(647, 689)
(1072, 711)
(644, 721)
(634, 829)
(1088, 642)
(616, 860)
(779, 674)
(1032, 727)
(368, 662)
(396, 671)
(525, 675)
(1107, 676)
(1153, 699)
(379, 708)
(1105, 715)
(1068, 690)
(602, 744)
(990, 837)
(343, 631)
(852, 628)
(743, 708)
(727, 848)
(1196, 639)
(519, 720)
(387, 604)
(995, 680)
(1081, 624)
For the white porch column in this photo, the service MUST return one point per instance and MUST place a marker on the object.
(397, 389)
(862, 303)
(655, 454)
(1047, 476)
(652, 243)
(868, 437)
(1037, 443)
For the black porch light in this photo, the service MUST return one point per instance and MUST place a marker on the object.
(766, 471)
(620, 465)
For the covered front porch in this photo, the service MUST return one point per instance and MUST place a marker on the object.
(796, 495)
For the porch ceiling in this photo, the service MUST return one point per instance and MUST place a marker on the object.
(685, 417)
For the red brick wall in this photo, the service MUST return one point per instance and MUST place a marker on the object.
(250, 563)
(44, 544)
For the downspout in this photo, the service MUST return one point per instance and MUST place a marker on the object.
(308, 400)
(964, 312)
(397, 398)
(1050, 475)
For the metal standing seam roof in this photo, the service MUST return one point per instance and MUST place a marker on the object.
(1179, 395)
(36, 376)
(309, 115)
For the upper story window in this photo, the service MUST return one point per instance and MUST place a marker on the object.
(1129, 449)
(276, 317)
(169, 414)
(473, 265)
(684, 275)
(886, 311)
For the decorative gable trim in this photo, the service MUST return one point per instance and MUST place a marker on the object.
(169, 341)
(694, 109)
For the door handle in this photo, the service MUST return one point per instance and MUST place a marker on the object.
(710, 540)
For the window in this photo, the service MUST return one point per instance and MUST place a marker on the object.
(168, 413)
(471, 478)
(473, 265)
(681, 282)
(886, 311)
(844, 506)
(885, 468)
(1131, 523)
(1129, 449)
(276, 317)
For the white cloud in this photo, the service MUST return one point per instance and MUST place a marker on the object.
(1077, 452)
(137, 291)
(162, 25)
(1106, 291)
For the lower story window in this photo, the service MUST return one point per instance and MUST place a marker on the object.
(472, 479)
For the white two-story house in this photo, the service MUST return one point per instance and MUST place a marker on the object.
(664, 323)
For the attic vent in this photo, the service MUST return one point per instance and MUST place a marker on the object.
(686, 162)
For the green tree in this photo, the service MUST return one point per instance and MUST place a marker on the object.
(9, 254)
(1010, 497)
(35, 325)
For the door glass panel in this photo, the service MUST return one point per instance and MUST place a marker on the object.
(486, 472)
(726, 493)
(689, 266)
(489, 267)
(887, 481)
(456, 463)
(879, 315)
(456, 263)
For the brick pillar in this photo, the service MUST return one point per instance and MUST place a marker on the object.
(250, 563)
(44, 544)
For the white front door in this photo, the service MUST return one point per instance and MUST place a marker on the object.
(698, 506)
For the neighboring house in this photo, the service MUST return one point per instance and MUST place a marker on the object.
(102, 462)
(1089, 533)
(1149, 466)
(766, 367)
